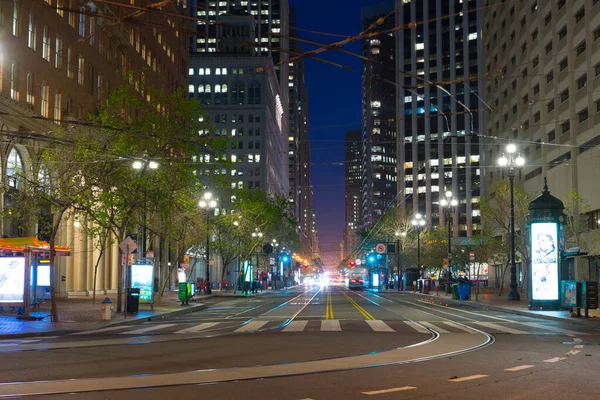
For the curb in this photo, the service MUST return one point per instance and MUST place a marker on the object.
(523, 313)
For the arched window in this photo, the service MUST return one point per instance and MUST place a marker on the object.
(224, 94)
(207, 94)
(201, 94)
(237, 93)
(14, 168)
(192, 89)
(217, 88)
(254, 93)
(44, 179)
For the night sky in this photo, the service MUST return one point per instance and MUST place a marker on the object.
(334, 107)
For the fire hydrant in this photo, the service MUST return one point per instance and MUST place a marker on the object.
(106, 309)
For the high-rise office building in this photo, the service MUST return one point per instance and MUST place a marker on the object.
(542, 60)
(439, 84)
(378, 114)
(353, 180)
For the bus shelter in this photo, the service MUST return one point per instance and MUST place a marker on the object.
(25, 271)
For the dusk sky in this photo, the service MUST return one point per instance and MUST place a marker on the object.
(334, 107)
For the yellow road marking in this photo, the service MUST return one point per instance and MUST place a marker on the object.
(329, 307)
(361, 310)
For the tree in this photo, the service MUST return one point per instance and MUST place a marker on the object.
(495, 211)
(576, 223)
(488, 248)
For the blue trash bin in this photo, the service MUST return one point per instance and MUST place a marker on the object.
(464, 291)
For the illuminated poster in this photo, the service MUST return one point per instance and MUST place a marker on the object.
(142, 276)
(12, 279)
(544, 261)
(43, 275)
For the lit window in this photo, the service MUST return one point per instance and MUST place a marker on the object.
(419, 46)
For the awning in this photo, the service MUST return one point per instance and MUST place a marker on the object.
(22, 244)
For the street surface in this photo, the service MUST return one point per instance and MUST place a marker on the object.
(313, 342)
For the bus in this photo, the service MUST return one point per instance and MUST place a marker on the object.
(357, 278)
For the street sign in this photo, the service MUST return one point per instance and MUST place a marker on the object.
(272, 260)
(380, 248)
(471, 256)
(128, 245)
(358, 261)
(445, 263)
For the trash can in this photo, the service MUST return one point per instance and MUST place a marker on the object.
(133, 300)
(464, 291)
(455, 291)
(106, 309)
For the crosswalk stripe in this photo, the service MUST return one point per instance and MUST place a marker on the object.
(432, 326)
(148, 329)
(497, 327)
(553, 329)
(379, 326)
(331, 325)
(295, 326)
(252, 326)
(199, 327)
(457, 326)
(416, 327)
(102, 330)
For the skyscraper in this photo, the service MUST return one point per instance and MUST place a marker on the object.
(353, 179)
(439, 84)
(379, 112)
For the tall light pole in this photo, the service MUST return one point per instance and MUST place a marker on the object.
(418, 223)
(449, 203)
(511, 161)
(209, 204)
(398, 235)
(143, 165)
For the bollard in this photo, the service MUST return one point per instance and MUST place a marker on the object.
(414, 286)
(106, 309)
(437, 288)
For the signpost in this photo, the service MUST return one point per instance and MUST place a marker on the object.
(380, 248)
(127, 246)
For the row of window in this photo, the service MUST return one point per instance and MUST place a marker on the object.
(235, 158)
(224, 131)
(204, 93)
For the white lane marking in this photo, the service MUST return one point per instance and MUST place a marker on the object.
(553, 329)
(519, 368)
(147, 329)
(17, 342)
(470, 312)
(199, 327)
(416, 327)
(295, 326)
(252, 326)
(332, 325)
(573, 352)
(379, 326)
(432, 326)
(467, 378)
(555, 359)
(577, 340)
(108, 329)
(462, 328)
(497, 327)
(579, 346)
(398, 389)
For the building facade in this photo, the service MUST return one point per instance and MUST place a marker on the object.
(378, 115)
(352, 196)
(542, 61)
(439, 81)
(58, 59)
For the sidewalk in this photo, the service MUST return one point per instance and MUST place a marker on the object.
(488, 299)
(78, 313)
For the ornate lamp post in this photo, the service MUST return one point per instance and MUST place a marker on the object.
(511, 162)
(398, 235)
(449, 203)
(143, 165)
(209, 204)
(418, 223)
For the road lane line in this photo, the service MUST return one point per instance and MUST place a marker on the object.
(199, 327)
(555, 359)
(577, 340)
(331, 326)
(519, 368)
(398, 389)
(361, 310)
(295, 326)
(579, 346)
(462, 328)
(504, 329)
(467, 378)
(108, 329)
(379, 326)
(573, 352)
(432, 326)
(553, 329)
(252, 326)
(417, 327)
(148, 329)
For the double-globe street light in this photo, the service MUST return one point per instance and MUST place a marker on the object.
(449, 203)
(398, 236)
(144, 165)
(418, 224)
(208, 203)
(511, 161)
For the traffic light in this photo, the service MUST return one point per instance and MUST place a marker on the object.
(285, 258)
(352, 263)
(371, 258)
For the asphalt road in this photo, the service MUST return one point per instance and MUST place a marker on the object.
(243, 345)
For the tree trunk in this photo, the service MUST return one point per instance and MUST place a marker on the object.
(102, 250)
(53, 296)
(502, 278)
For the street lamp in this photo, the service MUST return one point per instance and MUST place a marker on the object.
(511, 161)
(209, 204)
(398, 235)
(449, 203)
(418, 223)
(143, 165)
